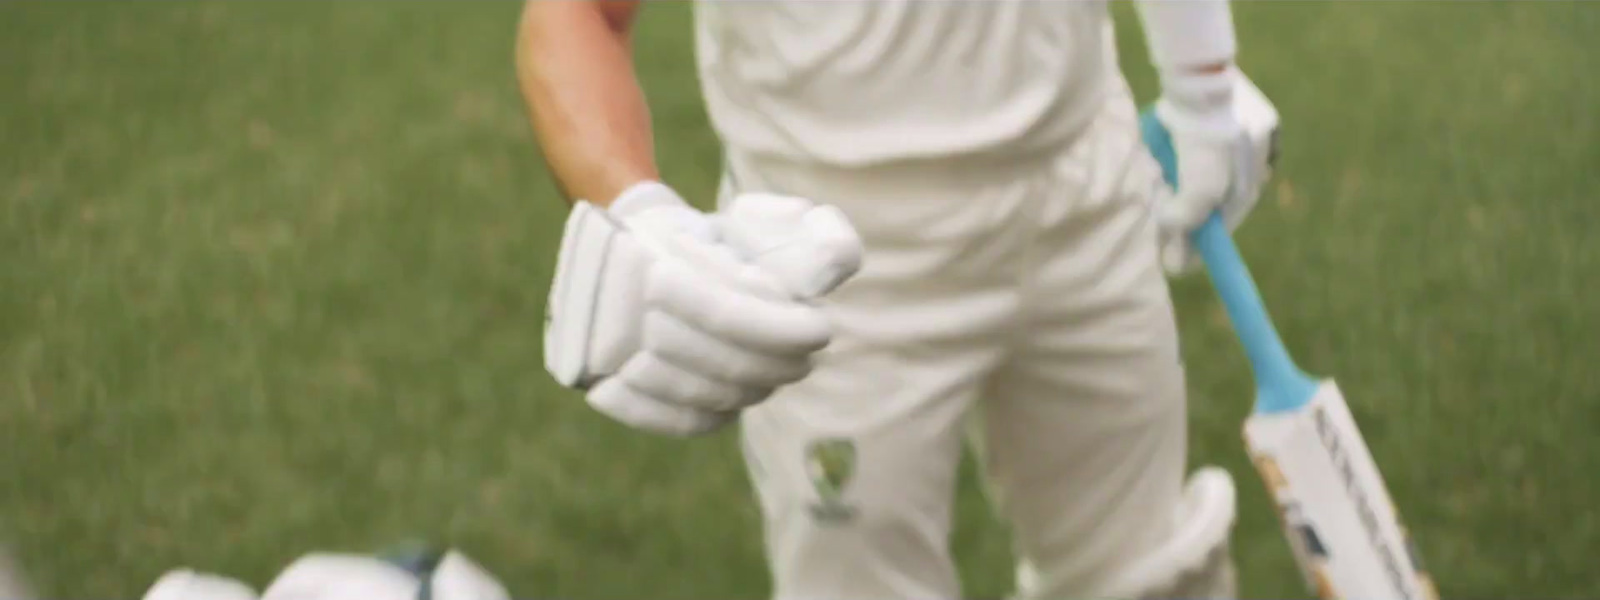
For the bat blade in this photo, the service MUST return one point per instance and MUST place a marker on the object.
(1334, 505)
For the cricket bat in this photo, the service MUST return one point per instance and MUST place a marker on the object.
(1335, 509)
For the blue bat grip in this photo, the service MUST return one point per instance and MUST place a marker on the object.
(1280, 384)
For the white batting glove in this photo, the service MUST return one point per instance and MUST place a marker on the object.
(673, 320)
(329, 576)
(186, 584)
(1221, 164)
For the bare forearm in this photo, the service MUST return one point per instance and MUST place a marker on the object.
(575, 68)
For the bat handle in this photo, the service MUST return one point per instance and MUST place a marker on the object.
(1280, 384)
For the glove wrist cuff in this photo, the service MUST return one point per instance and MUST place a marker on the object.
(1199, 102)
(1199, 88)
(643, 196)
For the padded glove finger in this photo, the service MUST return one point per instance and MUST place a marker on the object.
(614, 398)
(682, 344)
(652, 376)
(778, 327)
(809, 248)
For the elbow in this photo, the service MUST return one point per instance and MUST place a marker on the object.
(619, 15)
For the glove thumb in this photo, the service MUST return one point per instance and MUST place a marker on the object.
(809, 248)
(458, 578)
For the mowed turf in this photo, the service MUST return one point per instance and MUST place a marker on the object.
(272, 277)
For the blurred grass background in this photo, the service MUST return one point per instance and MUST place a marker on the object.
(272, 277)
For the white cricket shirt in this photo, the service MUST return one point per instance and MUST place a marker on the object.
(854, 82)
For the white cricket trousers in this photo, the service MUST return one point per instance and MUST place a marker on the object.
(1027, 296)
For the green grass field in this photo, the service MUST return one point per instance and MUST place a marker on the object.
(272, 277)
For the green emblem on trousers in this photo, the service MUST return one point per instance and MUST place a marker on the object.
(830, 463)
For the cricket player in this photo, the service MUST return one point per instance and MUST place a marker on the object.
(936, 219)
